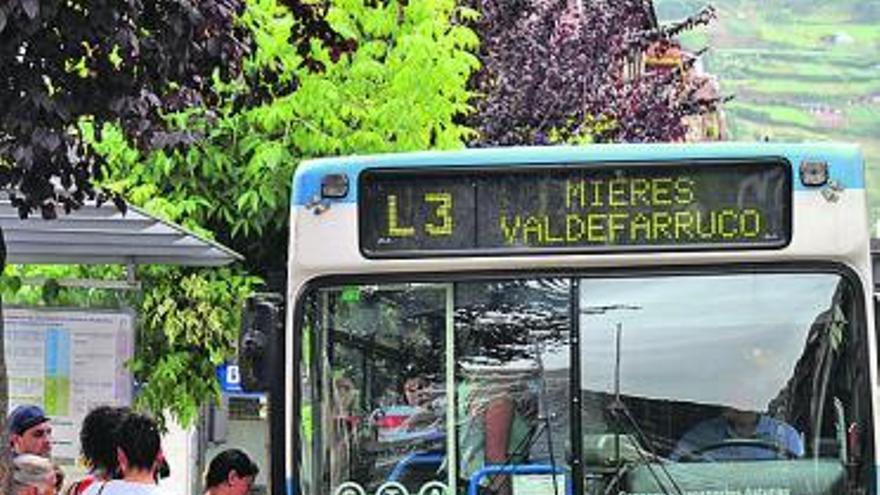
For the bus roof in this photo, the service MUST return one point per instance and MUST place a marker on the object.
(845, 160)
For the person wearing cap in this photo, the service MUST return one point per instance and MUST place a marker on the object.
(230, 472)
(29, 431)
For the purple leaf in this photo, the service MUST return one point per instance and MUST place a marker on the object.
(558, 70)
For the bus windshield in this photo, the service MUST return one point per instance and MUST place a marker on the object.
(741, 383)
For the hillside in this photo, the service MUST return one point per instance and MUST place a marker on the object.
(799, 70)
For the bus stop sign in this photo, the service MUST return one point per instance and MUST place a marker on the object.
(229, 378)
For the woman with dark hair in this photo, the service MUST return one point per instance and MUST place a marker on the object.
(97, 439)
(230, 472)
(139, 455)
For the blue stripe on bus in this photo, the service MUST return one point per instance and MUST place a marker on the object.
(847, 167)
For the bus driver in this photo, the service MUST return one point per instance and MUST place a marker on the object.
(739, 435)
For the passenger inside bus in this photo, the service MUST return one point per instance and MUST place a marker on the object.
(343, 410)
(739, 435)
(497, 421)
(417, 411)
(416, 391)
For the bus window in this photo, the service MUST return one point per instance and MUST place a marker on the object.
(719, 378)
(380, 385)
(512, 379)
(384, 384)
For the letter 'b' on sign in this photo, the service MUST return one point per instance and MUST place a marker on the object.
(233, 377)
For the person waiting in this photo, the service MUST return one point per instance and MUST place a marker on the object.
(32, 475)
(139, 455)
(230, 472)
(30, 431)
(97, 440)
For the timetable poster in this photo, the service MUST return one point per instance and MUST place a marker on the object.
(68, 361)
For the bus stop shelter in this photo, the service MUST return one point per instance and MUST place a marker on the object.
(106, 236)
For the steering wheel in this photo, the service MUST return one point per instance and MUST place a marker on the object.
(781, 451)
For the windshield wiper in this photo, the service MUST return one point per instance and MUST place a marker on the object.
(621, 415)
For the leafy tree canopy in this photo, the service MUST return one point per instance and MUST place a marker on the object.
(128, 62)
(393, 78)
(200, 111)
(313, 79)
(568, 71)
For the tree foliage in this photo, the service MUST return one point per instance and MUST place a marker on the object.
(188, 324)
(199, 112)
(78, 65)
(127, 62)
(396, 82)
(190, 321)
(557, 71)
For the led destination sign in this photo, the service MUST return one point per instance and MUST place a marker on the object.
(575, 208)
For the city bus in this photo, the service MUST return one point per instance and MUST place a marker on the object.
(677, 319)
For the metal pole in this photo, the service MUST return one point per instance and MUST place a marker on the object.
(617, 334)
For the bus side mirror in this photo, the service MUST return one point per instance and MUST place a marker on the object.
(262, 318)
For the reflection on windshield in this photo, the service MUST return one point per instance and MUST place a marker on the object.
(750, 333)
(688, 383)
(718, 375)
(512, 380)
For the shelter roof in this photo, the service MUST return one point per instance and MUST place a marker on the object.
(104, 235)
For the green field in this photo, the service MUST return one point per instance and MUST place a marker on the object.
(798, 70)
